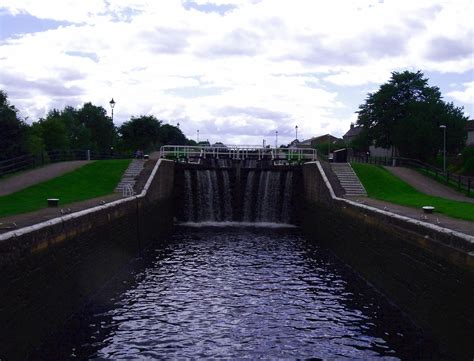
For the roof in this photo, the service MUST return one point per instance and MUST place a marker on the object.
(352, 132)
(318, 139)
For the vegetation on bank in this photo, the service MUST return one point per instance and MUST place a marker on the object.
(409, 115)
(86, 127)
(381, 184)
(93, 180)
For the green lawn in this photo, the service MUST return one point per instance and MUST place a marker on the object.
(90, 181)
(381, 184)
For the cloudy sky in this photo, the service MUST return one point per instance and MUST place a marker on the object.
(237, 70)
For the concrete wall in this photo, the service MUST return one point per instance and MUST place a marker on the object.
(49, 270)
(425, 270)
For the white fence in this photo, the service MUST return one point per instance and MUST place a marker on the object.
(237, 152)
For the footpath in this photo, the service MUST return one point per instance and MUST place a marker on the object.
(25, 179)
(429, 186)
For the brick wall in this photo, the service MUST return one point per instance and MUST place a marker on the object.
(48, 271)
(426, 271)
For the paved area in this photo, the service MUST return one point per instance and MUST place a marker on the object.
(427, 185)
(28, 178)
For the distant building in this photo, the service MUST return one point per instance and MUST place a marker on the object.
(321, 140)
(374, 151)
(294, 144)
(470, 132)
(352, 133)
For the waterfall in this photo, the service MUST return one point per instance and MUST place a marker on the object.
(268, 197)
(287, 197)
(212, 195)
(247, 214)
(227, 197)
(188, 196)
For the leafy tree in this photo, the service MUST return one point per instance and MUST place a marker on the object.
(406, 113)
(169, 134)
(53, 132)
(34, 139)
(141, 133)
(96, 126)
(12, 130)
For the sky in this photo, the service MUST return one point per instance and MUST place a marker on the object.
(236, 70)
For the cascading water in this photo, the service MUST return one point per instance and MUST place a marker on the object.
(213, 195)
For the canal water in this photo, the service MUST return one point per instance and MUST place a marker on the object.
(238, 292)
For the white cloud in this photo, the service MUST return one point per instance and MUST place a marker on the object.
(229, 73)
(466, 95)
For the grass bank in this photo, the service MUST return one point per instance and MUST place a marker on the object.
(381, 184)
(90, 181)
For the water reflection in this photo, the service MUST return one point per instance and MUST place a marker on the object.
(238, 293)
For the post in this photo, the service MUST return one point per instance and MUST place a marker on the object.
(444, 146)
(276, 139)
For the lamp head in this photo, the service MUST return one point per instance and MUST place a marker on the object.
(112, 103)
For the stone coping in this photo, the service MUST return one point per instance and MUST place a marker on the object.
(432, 227)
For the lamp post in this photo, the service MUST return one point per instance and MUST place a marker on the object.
(178, 125)
(198, 136)
(444, 146)
(112, 105)
(276, 139)
(296, 132)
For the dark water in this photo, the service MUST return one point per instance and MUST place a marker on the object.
(239, 293)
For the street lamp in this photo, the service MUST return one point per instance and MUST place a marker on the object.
(444, 146)
(112, 105)
(296, 132)
(276, 139)
(198, 136)
(178, 125)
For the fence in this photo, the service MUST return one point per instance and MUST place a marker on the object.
(238, 152)
(454, 180)
(29, 161)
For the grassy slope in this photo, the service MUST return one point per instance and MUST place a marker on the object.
(92, 180)
(381, 184)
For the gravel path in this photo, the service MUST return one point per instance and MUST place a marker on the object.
(30, 177)
(427, 185)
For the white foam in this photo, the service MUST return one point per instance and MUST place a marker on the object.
(236, 224)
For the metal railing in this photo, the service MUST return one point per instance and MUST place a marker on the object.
(461, 182)
(181, 152)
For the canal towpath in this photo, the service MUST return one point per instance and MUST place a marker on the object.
(28, 178)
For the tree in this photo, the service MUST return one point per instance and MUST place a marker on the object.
(12, 130)
(169, 134)
(103, 134)
(406, 113)
(53, 132)
(141, 133)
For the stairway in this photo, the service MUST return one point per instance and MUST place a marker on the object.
(348, 179)
(129, 177)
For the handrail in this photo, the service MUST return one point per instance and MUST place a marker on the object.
(238, 152)
(461, 182)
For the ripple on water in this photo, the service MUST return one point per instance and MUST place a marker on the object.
(244, 293)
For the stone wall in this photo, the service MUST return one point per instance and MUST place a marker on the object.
(49, 270)
(426, 270)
